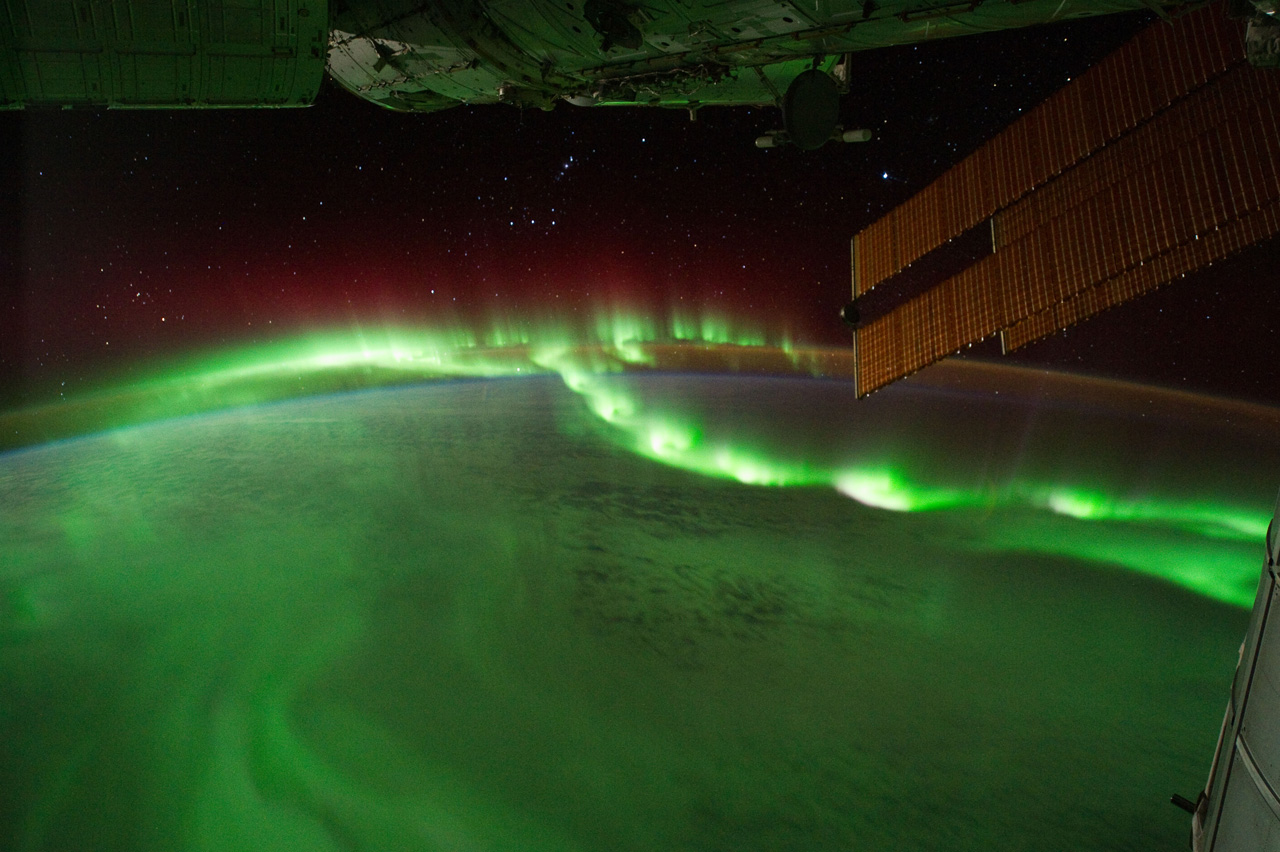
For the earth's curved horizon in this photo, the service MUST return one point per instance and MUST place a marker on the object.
(985, 608)
(337, 363)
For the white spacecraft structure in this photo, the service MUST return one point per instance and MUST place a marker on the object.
(1239, 809)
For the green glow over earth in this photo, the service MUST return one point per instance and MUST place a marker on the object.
(616, 583)
(588, 355)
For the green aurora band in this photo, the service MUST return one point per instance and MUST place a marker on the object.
(1201, 545)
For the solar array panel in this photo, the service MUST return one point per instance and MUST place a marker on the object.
(1161, 65)
(1135, 281)
(1188, 185)
(1213, 106)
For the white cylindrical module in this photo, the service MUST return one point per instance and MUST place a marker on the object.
(1240, 810)
(861, 135)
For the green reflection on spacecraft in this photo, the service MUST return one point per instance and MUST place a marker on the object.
(1196, 545)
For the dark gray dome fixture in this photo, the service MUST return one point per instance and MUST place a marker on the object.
(811, 109)
(850, 314)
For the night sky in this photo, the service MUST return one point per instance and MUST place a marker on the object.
(127, 237)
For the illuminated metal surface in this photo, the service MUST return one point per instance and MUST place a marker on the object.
(410, 56)
(1239, 810)
(162, 53)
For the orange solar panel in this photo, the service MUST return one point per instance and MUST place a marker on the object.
(1188, 257)
(1187, 188)
(1161, 65)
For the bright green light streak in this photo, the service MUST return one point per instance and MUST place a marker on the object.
(1219, 571)
(884, 488)
(1211, 551)
(460, 352)
(587, 355)
(1213, 521)
(1213, 566)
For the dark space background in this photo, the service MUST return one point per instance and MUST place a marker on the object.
(131, 236)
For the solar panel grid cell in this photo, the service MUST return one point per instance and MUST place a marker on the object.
(1239, 168)
(1182, 66)
(1136, 83)
(1114, 113)
(925, 220)
(1191, 163)
(1267, 164)
(1229, 189)
(1149, 54)
(1079, 251)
